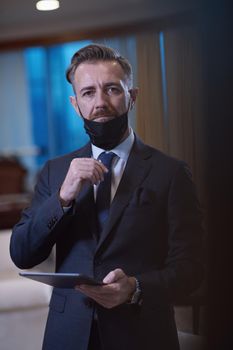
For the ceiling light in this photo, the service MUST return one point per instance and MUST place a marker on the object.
(47, 5)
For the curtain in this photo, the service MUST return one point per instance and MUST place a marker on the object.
(184, 94)
(170, 109)
(150, 110)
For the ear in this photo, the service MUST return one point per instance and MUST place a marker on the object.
(73, 101)
(133, 94)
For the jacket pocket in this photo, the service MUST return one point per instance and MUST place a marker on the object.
(143, 197)
(57, 302)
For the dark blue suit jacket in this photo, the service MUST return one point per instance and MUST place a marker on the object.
(153, 232)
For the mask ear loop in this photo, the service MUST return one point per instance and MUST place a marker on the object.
(131, 102)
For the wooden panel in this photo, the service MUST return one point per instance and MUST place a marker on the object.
(12, 176)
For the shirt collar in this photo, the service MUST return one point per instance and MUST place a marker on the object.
(122, 150)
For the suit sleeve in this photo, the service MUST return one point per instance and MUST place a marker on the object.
(34, 236)
(182, 272)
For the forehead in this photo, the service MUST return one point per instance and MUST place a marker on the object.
(99, 72)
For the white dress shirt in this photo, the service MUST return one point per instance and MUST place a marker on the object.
(119, 162)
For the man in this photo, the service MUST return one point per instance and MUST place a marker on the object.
(145, 248)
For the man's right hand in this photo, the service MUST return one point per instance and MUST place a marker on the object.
(80, 171)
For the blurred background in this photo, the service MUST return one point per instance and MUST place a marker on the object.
(181, 53)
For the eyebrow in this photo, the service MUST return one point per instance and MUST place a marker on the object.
(112, 84)
(91, 87)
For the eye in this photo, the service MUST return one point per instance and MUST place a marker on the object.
(88, 93)
(113, 90)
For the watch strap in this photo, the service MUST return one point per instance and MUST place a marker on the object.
(136, 297)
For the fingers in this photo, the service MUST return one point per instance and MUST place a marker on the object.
(107, 296)
(114, 276)
(81, 170)
(98, 172)
(115, 292)
(88, 169)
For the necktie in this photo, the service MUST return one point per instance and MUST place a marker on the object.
(103, 197)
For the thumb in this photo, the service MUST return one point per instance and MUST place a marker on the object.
(114, 276)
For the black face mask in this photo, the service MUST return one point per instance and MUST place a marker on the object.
(107, 135)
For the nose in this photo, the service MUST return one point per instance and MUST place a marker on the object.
(101, 100)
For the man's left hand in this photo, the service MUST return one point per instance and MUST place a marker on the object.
(117, 289)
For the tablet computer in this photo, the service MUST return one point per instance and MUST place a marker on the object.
(61, 280)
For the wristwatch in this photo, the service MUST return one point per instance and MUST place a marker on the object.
(137, 295)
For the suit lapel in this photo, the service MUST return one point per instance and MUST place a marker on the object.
(135, 172)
